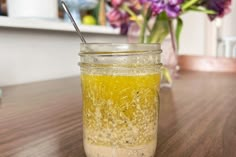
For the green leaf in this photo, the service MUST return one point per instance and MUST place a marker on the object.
(160, 29)
(144, 26)
(188, 4)
(178, 30)
(143, 29)
(203, 10)
(166, 74)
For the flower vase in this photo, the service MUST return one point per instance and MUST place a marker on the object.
(133, 33)
(169, 54)
(170, 63)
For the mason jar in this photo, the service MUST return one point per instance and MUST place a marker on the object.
(120, 91)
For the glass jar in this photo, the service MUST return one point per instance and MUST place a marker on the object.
(120, 90)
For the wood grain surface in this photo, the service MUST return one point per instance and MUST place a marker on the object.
(197, 118)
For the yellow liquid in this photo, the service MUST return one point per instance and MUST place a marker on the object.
(119, 110)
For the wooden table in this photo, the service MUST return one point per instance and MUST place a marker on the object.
(197, 118)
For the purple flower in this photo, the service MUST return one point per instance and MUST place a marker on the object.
(171, 7)
(172, 10)
(157, 7)
(175, 2)
(221, 7)
(124, 28)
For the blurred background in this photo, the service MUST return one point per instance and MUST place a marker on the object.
(37, 41)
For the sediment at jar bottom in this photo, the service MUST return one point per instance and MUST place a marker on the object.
(145, 150)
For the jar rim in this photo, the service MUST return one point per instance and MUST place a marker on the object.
(112, 48)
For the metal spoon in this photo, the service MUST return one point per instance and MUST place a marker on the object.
(73, 21)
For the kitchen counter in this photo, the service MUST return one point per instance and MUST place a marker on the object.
(197, 118)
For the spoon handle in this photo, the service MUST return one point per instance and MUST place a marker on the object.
(73, 21)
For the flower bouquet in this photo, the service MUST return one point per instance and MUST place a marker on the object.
(156, 19)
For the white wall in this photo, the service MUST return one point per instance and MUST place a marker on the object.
(27, 56)
(192, 40)
(199, 35)
(229, 22)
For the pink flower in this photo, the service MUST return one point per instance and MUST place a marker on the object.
(116, 3)
(119, 19)
(115, 17)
